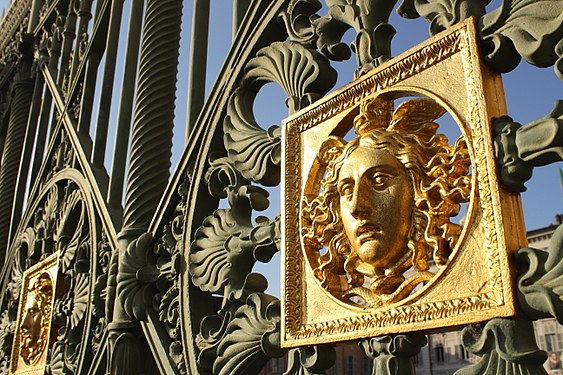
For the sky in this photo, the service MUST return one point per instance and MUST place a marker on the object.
(530, 94)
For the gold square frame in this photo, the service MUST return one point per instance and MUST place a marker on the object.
(17, 364)
(477, 284)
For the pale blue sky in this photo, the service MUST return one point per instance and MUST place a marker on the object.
(530, 93)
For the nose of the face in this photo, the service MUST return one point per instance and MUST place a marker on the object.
(360, 207)
(26, 321)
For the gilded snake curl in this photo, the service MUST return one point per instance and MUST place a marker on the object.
(440, 179)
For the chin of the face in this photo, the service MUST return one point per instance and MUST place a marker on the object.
(378, 255)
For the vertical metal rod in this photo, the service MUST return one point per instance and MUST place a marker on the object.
(122, 130)
(55, 54)
(104, 108)
(84, 17)
(88, 92)
(198, 63)
(69, 33)
(151, 149)
(240, 7)
(34, 15)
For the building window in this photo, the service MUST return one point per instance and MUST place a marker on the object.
(550, 342)
(350, 365)
(439, 353)
(418, 359)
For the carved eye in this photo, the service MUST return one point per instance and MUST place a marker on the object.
(380, 181)
(346, 190)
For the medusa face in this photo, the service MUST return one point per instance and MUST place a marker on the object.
(32, 321)
(35, 319)
(376, 198)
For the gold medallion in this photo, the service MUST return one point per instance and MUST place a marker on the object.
(32, 337)
(393, 216)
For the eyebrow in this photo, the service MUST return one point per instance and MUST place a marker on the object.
(383, 168)
(344, 181)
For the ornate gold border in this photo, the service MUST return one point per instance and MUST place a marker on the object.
(459, 39)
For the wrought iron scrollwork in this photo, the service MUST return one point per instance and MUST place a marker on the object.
(303, 74)
(520, 148)
(62, 223)
(213, 253)
(541, 286)
(524, 28)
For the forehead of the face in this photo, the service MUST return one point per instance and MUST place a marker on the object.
(364, 159)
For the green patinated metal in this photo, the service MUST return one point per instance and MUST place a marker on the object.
(166, 283)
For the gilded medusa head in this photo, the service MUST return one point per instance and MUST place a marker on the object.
(36, 316)
(384, 205)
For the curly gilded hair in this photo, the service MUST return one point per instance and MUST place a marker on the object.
(440, 179)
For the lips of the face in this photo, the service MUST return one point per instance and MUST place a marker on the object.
(375, 205)
(367, 231)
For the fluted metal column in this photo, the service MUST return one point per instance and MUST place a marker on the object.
(23, 91)
(151, 144)
(151, 149)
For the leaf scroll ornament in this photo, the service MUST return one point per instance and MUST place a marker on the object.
(137, 277)
(251, 337)
(393, 354)
(372, 43)
(305, 76)
(506, 346)
(227, 245)
(531, 29)
(442, 13)
(309, 360)
(540, 289)
(298, 19)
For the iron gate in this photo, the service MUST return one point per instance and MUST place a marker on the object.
(162, 281)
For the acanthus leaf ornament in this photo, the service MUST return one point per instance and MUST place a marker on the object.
(251, 337)
(519, 149)
(528, 28)
(540, 288)
(309, 360)
(227, 245)
(298, 18)
(137, 276)
(504, 347)
(372, 44)
(303, 74)
(393, 354)
(442, 13)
